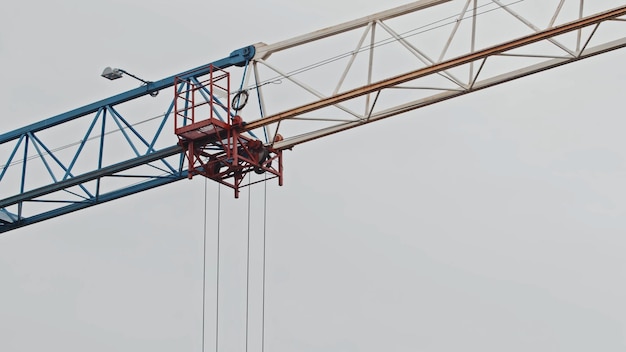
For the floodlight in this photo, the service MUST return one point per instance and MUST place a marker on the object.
(115, 73)
(112, 73)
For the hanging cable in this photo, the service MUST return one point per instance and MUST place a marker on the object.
(264, 251)
(204, 265)
(217, 284)
(240, 99)
(248, 268)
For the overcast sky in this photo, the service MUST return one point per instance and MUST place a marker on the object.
(490, 222)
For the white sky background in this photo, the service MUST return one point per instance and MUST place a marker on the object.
(490, 222)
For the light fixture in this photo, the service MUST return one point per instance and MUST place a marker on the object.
(112, 73)
(115, 73)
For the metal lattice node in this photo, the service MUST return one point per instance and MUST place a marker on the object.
(212, 135)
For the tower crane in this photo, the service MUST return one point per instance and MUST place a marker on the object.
(226, 127)
(292, 92)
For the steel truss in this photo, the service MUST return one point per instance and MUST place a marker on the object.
(114, 158)
(446, 59)
(388, 63)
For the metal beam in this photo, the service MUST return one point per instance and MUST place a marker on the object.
(439, 67)
(93, 175)
(103, 198)
(259, 52)
(68, 202)
(263, 51)
(237, 58)
(290, 142)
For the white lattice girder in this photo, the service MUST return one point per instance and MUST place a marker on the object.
(264, 51)
(457, 62)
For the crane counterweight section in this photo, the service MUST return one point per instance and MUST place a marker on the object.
(213, 136)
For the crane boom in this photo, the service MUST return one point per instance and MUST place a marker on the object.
(474, 84)
(385, 69)
(65, 181)
(236, 58)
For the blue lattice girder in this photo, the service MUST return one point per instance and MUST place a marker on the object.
(39, 181)
(237, 58)
(14, 223)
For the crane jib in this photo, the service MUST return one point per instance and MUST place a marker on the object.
(237, 58)
(215, 142)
